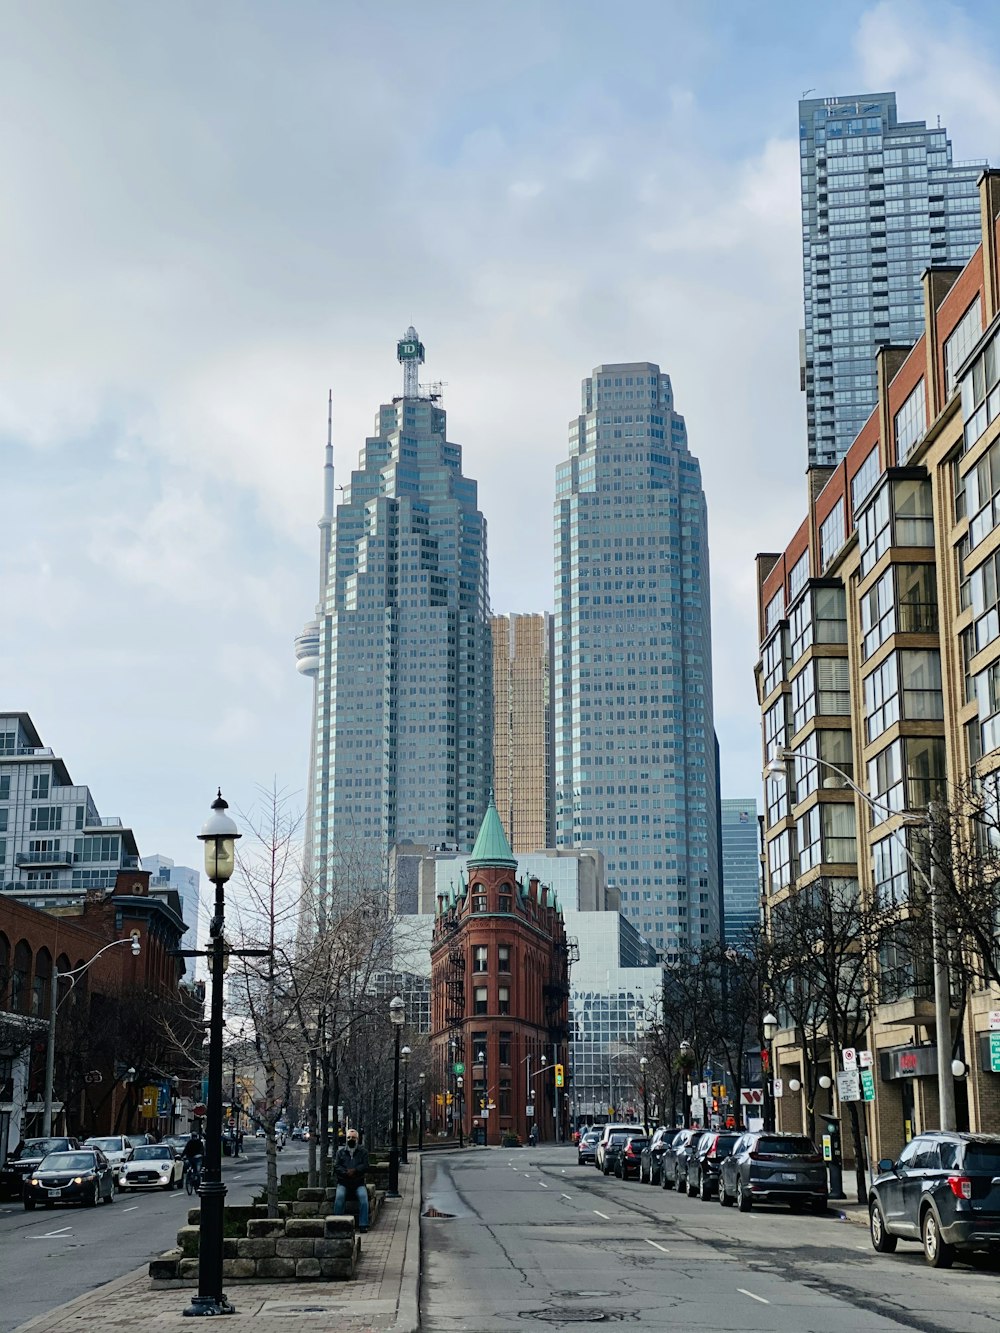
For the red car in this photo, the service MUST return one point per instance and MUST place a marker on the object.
(628, 1159)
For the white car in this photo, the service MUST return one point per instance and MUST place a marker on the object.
(606, 1133)
(152, 1166)
(115, 1147)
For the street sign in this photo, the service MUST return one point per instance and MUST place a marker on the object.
(849, 1085)
(995, 1020)
(232, 1122)
(865, 1059)
(199, 1109)
(703, 1091)
(529, 1109)
(868, 1085)
(752, 1097)
(850, 1057)
(995, 1052)
(93, 1076)
(778, 1087)
(458, 1067)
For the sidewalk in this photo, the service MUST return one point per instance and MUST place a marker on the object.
(382, 1298)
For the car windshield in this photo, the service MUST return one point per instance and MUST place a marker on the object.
(154, 1152)
(68, 1161)
(592, 1137)
(724, 1144)
(638, 1143)
(107, 1145)
(982, 1157)
(794, 1145)
(40, 1147)
(136, 1140)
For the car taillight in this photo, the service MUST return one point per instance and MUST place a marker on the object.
(961, 1186)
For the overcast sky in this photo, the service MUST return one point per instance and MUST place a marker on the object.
(213, 213)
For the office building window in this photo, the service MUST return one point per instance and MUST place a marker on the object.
(831, 535)
(891, 871)
(481, 998)
(503, 999)
(961, 342)
(798, 577)
(40, 787)
(910, 422)
(864, 480)
(480, 958)
(503, 957)
(981, 392)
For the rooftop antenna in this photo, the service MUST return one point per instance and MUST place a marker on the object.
(410, 353)
(804, 95)
(328, 465)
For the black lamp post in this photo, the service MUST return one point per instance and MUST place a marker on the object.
(420, 1129)
(397, 1016)
(769, 1026)
(219, 836)
(405, 1054)
(460, 1107)
(643, 1062)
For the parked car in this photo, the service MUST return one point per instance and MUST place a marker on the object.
(176, 1141)
(628, 1159)
(152, 1166)
(652, 1155)
(705, 1160)
(586, 1149)
(606, 1132)
(18, 1166)
(943, 1191)
(82, 1176)
(297, 1133)
(137, 1140)
(611, 1148)
(766, 1167)
(117, 1148)
(670, 1170)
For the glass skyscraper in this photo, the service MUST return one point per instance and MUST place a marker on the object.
(740, 868)
(881, 200)
(634, 738)
(400, 649)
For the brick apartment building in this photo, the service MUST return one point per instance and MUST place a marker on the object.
(499, 998)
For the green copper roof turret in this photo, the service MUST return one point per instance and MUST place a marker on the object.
(492, 847)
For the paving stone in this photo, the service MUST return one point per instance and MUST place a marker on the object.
(188, 1239)
(275, 1267)
(333, 1249)
(336, 1268)
(194, 1217)
(239, 1268)
(265, 1226)
(187, 1268)
(296, 1248)
(338, 1227)
(261, 1247)
(311, 1195)
(305, 1268)
(305, 1226)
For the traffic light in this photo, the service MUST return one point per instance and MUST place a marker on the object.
(560, 1077)
(448, 1098)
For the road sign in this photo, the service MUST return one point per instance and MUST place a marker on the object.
(703, 1091)
(778, 1087)
(850, 1057)
(868, 1085)
(458, 1068)
(752, 1097)
(199, 1109)
(995, 1020)
(995, 1052)
(232, 1122)
(865, 1060)
(849, 1085)
(93, 1076)
(529, 1109)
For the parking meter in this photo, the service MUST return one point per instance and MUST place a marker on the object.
(833, 1156)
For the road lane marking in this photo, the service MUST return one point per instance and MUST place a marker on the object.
(565, 1196)
(130, 1210)
(543, 1184)
(604, 1215)
(49, 1235)
(657, 1245)
(743, 1292)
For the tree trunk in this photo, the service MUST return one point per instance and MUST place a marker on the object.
(324, 1119)
(859, 1153)
(313, 1119)
(270, 1089)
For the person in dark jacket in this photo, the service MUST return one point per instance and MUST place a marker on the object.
(350, 1166)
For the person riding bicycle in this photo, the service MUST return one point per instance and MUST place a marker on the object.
(194, 1151)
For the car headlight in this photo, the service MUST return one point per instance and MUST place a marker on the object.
(34, 1182)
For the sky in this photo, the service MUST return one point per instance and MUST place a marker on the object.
(214, 214)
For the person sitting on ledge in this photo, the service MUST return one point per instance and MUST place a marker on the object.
(350, 1165)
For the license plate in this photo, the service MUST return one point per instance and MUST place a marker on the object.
(54, 1193)
(789, 1175)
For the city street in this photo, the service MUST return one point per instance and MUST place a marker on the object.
(48, 1257)
(534, 1238)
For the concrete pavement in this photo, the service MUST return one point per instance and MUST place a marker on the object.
(382, 1297)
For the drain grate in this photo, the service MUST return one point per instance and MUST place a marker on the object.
(436, 1212)
(568, 1315)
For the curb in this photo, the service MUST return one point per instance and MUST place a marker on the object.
(79, 1302)
(408, 1312)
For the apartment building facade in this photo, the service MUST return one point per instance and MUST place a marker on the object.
(879, 688)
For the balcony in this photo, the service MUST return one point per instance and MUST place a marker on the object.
(112, 821)
(64, 859)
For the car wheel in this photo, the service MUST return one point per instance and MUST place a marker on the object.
(881, 1240)
(724, 1198)
(29, 1205)
(937, 1251)
(95, 1195)
(692, 1189)
(743, 1200)
(704, 1192)
(668, 1184)
(110, 1196)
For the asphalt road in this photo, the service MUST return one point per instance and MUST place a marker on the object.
(535, 1240)
(49, 1256)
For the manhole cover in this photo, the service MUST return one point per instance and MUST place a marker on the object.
(580, 1316)
(436, 1212)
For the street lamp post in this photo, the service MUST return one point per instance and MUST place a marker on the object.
(420, 1127)
(219, 836)
(50, 1042)
(769, 1026)
(397, 1017)
(685, 1067)
(405, 1056)
(778, 767)
(460, 1108)
(486, 1089)
(643, 1062)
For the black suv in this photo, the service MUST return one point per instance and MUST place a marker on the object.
(773, 1168)
(20, 1164)
(944, 1191)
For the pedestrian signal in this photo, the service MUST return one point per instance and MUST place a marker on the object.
(560, 1077)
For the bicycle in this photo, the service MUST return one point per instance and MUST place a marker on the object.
(192, 1175)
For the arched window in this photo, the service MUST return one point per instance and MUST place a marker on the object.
(41, 984)
(20, 979)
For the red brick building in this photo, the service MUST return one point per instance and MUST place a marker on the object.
(499, 998)
(31, 942)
